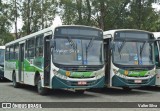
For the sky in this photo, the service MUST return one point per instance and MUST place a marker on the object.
(156, 6)
(57, 20)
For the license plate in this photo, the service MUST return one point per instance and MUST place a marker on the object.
(82, 83)
(137, 81)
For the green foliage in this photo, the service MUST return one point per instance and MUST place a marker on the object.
(37, 15)
(105, 14)
(5, 24)
(111, 14)
(142, 15)
(6, 37)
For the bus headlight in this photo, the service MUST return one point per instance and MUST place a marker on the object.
(61, 76)
(115, 71)
(98, 76)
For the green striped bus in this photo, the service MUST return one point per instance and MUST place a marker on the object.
(129, 58)
(62, 57)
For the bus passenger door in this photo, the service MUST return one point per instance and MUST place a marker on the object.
(107, 55)
(47, 60)
(157, 60)
(21, 62)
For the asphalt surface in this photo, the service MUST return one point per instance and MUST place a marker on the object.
(29, 94)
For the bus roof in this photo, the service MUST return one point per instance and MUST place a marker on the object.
(111, 32)
(156, 34)
(2, 47)
(51, 28)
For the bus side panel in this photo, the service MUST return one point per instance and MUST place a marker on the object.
(158, 77)
(7, 73)
(111, 74)
(31, 67)
(8, 69)
(157, 57)
(29, 78)
(107, 54)
(33, 62)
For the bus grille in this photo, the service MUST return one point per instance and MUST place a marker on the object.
(82, 77)
(81, 69)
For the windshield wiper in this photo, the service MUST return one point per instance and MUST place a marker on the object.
(71, 43)
(90, 43)
(89, 46)
(141, 48)
(121, 47)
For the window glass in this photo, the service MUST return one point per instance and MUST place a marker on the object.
(2, 56)
(16, 51)
(7, 53)
(78, 52)
(39, 46)
(11, 52)
(30, 48)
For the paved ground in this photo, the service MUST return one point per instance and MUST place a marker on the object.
(29, 94)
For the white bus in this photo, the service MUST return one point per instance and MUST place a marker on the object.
(129, 58)
(2, 49)
(157, 57)
(62, 57)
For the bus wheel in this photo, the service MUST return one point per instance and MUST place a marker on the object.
(127, 89)
(41, 90)
(80, 91)
(15, 84)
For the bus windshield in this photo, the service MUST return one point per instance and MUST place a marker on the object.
(73, 51)
(1, 56)
(133, 53)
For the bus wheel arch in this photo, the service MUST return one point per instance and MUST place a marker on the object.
(15, 83)
(37, 75)
(38, 81)
(41, 90)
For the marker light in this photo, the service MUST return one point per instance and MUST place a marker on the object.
(68, 73)
(136, 62)
(126, 72)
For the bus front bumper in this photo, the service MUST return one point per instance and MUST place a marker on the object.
(58, 83)
(121, 82)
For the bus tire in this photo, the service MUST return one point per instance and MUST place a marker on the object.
(15, 83)
(41, 90)
(127, 89)
(80, 91)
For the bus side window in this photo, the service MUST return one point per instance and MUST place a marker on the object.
(156, 54)
(7, 53)
(39, 45)
(11, 52)
(16, 51)
(26, 49)
(31, 48)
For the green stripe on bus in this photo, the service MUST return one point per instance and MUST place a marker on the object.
(76, 74)
(133, 73)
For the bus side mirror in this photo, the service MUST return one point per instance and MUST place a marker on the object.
(51, 43)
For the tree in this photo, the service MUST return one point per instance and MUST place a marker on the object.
(37, 15)
(5, 24)
(15, 9)
(142, 15)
